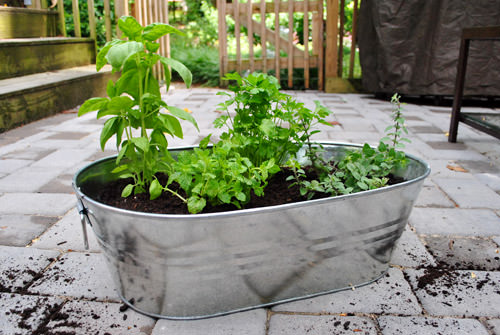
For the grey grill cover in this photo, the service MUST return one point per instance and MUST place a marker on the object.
(412, 46)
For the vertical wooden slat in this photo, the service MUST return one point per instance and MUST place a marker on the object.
(107, 20)
(306, 44)
(149, 6)
(167, 38)
(92, 23)
(139, 11)
(236, 7)
(221, 9)
(250, 36)
(76, 18)
(277, 38)
(290, 44)
(353, 39)
(154, 9)
(332, 7)
(119, 11)
(60, 18)
(341, 39)
(321, 72)
(263, 41)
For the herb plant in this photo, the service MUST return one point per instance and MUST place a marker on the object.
(359, 170)
(268, 127)
(139, 118)
(267, 123)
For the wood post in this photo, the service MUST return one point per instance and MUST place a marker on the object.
(263, 33)
(61, 23)
(331, 61)
(306, 44)
(340, 66)
(76, 18)
(92, 23)
(354, 36)
(276, 38)
(107, 20)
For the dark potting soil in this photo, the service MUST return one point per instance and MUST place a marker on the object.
(278, 192)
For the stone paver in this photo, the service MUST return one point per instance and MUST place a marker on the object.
(33, 178)
(77, 275)
(244, 323)
(436, 283)
(66, 235)
(432, 196)
(464, 253)
(465, 222)
(19, 230)
(325, 324)
(12, 165)
(389, 294)
(36, 203)
(410, 252)
(393, 325)
(469, 193)
(457, 293)
(25, 314)
(20, 266)
(91, 317)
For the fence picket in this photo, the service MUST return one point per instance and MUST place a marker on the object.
(290, 43)
(242, 13)
(306, 44)
(263, 33)
(277, 65)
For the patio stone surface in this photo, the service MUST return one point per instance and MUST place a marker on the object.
(25, 314)
(394, 325)
(20, 230)
(443, 278)
(79, 275)
(244, 323)
(464, 253)
(389, 294)
(93, 317)
(459, 293)
(324, 324)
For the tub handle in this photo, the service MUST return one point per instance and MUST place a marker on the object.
(84, 218)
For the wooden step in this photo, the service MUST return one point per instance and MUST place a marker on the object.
(23, 56)
(26, 22)
(32, 97)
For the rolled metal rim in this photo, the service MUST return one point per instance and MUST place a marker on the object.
(240, 212)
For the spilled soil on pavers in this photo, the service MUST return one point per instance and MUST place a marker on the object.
(461, 262)
(464, 253)
(279, 191)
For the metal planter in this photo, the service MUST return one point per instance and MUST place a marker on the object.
(196, 266)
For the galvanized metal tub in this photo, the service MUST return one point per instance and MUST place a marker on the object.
(196, 266)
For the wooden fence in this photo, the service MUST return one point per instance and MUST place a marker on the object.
(246, 14)
(322, 47)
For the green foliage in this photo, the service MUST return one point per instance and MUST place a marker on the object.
(268, 123)
(134, 103)
(219, 175)
(203, 29)
(268, 127)
(359, 170)
(202, 60)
